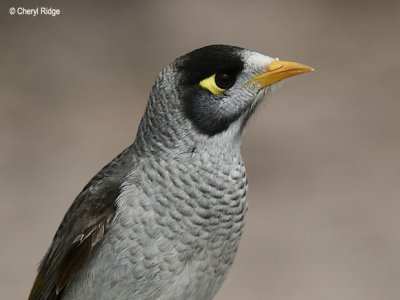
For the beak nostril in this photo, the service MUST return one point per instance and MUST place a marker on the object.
(274, 66)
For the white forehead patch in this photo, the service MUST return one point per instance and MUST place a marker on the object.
(257, 61)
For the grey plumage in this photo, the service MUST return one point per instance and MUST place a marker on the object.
(163, 220)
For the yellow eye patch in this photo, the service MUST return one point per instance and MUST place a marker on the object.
(209, 84)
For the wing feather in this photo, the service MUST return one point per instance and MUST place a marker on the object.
(82, 228)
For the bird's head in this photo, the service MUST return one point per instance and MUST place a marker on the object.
(215, 89)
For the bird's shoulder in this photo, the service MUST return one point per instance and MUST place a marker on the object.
(81, 229)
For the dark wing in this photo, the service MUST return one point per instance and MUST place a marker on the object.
(82, 228)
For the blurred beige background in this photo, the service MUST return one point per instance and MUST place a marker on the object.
(323, 154)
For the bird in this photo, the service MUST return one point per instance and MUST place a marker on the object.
(164, 218)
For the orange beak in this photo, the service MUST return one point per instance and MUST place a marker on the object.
(279, 70)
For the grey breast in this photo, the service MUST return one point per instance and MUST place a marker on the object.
(176, 232)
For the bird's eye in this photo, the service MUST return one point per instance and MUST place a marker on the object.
(218, 83)
(224, 80)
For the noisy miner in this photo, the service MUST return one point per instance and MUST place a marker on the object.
(164, 218)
